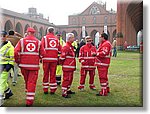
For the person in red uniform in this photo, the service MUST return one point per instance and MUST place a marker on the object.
(52, 48)
(87, 63)
(67, 59)
(102, 61)
(28, 53)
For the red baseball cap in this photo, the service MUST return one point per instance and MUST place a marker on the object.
(30, 29)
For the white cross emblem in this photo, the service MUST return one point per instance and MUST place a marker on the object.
(30, 47)
(52, 43)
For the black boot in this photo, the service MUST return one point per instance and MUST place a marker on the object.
(8, 93)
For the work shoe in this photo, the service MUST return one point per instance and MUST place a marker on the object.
(28, 105)
(46, 92)
(70, 92)
(52, 93)
(108, 90)
(103, 92)
(66, 96)
(7, 95)
(92, 87)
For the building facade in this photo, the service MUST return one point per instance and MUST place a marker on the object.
(93, 19)
(129, 22)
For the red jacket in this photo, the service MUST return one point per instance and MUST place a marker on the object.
(86, 58)
(104, 54)
(67, 58)
(52, 48)
(28, 52)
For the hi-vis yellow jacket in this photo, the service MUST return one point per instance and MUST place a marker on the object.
(7, 54)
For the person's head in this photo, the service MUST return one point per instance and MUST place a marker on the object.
(58, 34)
(3, 36)
(103, 37)
(114, 38)
(50, 30)
(70, 37)
(11, 32)
(30, 31)
(88, 39)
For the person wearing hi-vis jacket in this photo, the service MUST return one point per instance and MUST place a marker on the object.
(67, 59)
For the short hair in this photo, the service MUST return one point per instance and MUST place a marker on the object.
(105, 36)
(69, 35)
(11, 32)
(50, 29)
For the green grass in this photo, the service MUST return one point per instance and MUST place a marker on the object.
(125, 78)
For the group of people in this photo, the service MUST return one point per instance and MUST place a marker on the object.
(55, 55)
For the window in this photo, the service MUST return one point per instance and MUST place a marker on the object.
(94, 20)
(74, 21)
(105, 20)
(83, 20)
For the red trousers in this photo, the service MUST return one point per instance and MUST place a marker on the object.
(49, 78)
(30, 77)
(67, 81)
(103, 76)
(83, 73)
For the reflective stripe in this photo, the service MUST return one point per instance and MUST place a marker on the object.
(51, 49)
(88, 66)
(103, 84)
(53, 87)
(46, 83)
(29, 53)
(103, 52)
(82, 85)
(30, 93)
(6, 51)
(26, 65)
(102, 64)
(45, 86)
(67, 66)
(107, 56)
(64, 88)
(87, 58)
(30, 98)
(51, 84)
(50, 59)
(70, 57)
(61, 58)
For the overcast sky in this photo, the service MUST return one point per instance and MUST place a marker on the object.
(57, 10)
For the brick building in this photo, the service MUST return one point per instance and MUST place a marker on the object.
(93, 18)
(129, 22)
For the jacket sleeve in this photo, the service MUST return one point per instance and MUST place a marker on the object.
(63, 54)
(43, 42)
(42, 51)
(81, 54)
(17, 51)
(104, 51)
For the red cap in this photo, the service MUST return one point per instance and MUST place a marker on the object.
(30, 29)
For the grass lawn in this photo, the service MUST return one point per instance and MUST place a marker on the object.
(125, 78)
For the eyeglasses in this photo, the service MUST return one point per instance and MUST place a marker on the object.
(89, 40)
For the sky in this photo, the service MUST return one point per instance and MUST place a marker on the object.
(56, 10)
